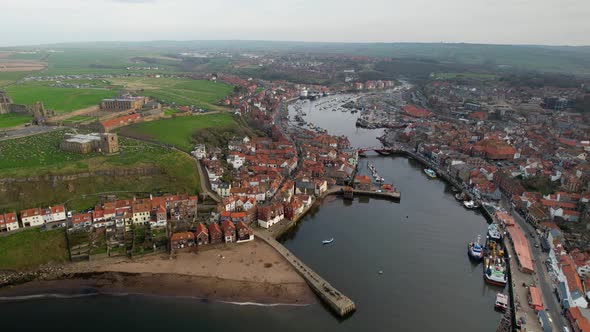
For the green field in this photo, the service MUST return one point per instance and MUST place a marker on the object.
(62, 100)
(79, 119)
(180, 131)
(12, 76)
(182, 92)
(13, 119)
(448, 76)
(31, 248)
(39, 156)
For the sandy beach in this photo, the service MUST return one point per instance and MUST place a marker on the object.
(246, 272)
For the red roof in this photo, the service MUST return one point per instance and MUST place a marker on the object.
(536, 300)
(120, 120)
(416, 112)
(521, 246)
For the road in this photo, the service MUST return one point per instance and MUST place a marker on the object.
(542, 278)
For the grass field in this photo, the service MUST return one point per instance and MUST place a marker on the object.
(182, 92)
(13, 119)
(12, 76)
(39, 156)
(62, 100)
(79, 119)
(31, 248)
(448, 76)
(179, 131)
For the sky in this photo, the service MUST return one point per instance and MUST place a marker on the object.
(549, 22)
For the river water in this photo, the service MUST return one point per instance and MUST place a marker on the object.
(419, 243)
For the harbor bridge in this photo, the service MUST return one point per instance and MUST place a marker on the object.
(380, 150)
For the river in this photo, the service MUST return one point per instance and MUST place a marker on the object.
(419, 243)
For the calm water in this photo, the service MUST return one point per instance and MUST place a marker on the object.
(428, 283)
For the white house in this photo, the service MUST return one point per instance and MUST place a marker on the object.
(54, 214)
(223, 189)
(32, 217)
(200, 151)
(8, 222)
(236, 160)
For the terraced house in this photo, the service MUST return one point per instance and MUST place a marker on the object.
(8, 222)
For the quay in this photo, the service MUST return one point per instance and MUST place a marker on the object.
(393, 195)
(339, 303)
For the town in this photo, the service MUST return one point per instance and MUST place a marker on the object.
(253, 161)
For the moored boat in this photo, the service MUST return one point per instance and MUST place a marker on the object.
(494, 269)
(501, 302)
(470, 205)
(474, 250)
(494, 233)
(431, 173)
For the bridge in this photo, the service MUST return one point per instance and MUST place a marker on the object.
(382, 150)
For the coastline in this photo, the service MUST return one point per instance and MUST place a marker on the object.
(238, 273)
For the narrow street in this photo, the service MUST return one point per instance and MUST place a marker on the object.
(542, 278)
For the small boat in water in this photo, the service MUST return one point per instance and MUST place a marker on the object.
(328, 241)
(501, 302)
(460, 196)
(470, 205)
(494, 233)
(474, 250)
(431, 173)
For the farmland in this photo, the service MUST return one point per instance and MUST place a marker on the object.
(180, 131)
(139, 167)
(203, 94)
(62, 100)
(10, 77)
(32, 247)
(13, 119)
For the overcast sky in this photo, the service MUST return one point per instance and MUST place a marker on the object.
(555, 22)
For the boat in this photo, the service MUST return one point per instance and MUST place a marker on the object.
(494, 233)
(474, 250)
(431, 173)
(501, 302)
(328, 241)
(494, 267)
(460, 196)
(470, 205)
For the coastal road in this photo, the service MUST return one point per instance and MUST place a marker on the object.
(543, 280)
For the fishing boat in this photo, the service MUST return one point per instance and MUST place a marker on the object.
(494, 233)
(328, 241)
(431, 173)
(494, 267)
(470, 205)
(501, 302)
(474, 250)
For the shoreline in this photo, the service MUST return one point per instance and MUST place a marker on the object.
(201, 289)
(252, 272)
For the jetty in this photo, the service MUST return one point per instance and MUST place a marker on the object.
(339, 303)
(392, 195)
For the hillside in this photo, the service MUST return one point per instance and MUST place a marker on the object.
(33, 166)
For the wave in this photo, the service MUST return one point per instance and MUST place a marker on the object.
(266, 304)
(45, 296)
(115, 294)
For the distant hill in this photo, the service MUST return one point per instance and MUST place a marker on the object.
(563, 59)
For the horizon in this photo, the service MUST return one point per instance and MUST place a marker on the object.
(456, 21)
(58, 43)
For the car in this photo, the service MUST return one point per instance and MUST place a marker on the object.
(536, 245)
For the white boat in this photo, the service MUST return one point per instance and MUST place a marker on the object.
(328, 241)
(470, 204)
(501, 302)
(494, 233)
(474, 250)
(431, 173)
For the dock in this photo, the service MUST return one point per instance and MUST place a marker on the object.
(339, 303)
(393, 195)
